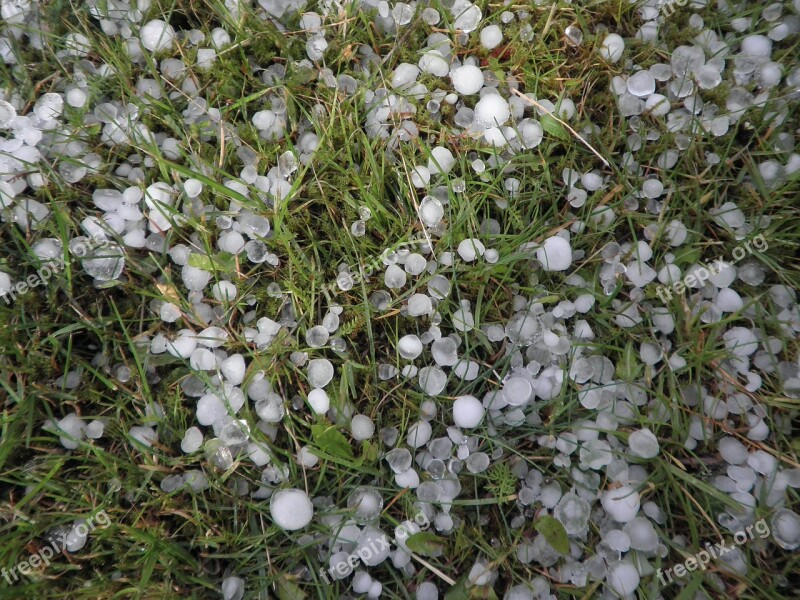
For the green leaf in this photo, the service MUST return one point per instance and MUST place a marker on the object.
(554, 532)
(629, 367)
(331, 441)
(288, 590)
(426, 544)
(201, 261)
(224, 261)
(369, 451)
(553, 127)
(458, 591)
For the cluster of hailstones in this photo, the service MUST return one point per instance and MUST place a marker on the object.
(543, 341)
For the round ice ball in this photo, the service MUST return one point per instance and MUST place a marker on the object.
(555, 254)
(492, 111)
(623, 578)
(622, 503)
(612, 47)
(156, 35)
(362, 427)
(467, 80)
(491, 37)
(291, 509)
(468, 412)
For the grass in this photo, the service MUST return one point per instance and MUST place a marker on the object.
(166, 545)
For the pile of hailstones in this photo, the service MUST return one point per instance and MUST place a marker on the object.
(544, 345)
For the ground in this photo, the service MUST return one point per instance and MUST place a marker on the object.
(637, 380)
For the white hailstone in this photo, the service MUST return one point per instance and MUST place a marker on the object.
(307, 458)
(428, 591)
(95, 429)
(492, 111)
(407, 479)
(7, 114)
(192, 440)
(373, 546)
(622, 504)
(73, 428)
(76, 97)
(642, 534)
(183, 345)
(202, 360)
(657, 105)
(468, 412)
(433, 62)
(404, 75)
(732, 451)
(643, 443)
(420, 176)
(144, 435)
(319, 401)
(642, 84)
(192, 188)
(409, 347)
(740, 341)
(441, 161)
(555, 254)
(394, 277)
(233, 369)
(194, 279)
(467, 15)
(212, 337)
(157, 35)
(491, 37)
(786, 529)
(419, 305)
(419, 434)
(612, 48)
(265, 120)
(315, 48)
(205, 58)
(317, 336)
(758, 46)
(415, 264)
(573, 512)
(617, 540)
(223, 290)
(729, 300)
(320, 372)
(431, 211)
(467, 80)
(432, 380)
(169, 313)
(596, 454)
(232, 588)
(291, 509)
(362, 427)
(470, 249)
(591, 181)
(639, 273)
(496, 136)
(463, 320)
(531, 133)
(49, 106)
(623, 578)
(479, 574)
(220, 38)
